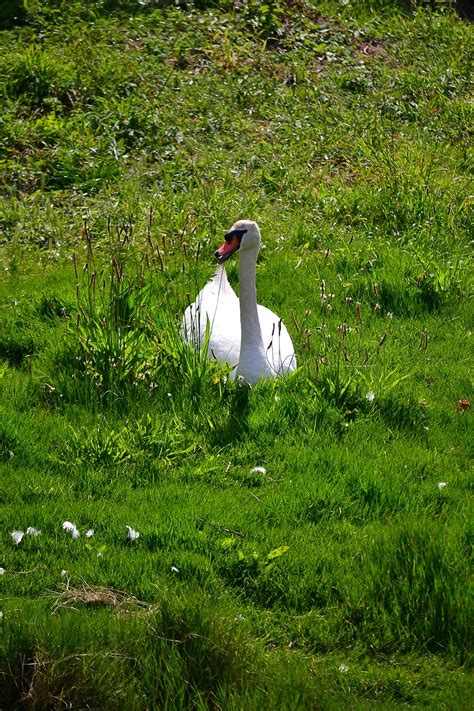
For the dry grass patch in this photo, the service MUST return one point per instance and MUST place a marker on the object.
(72, 598)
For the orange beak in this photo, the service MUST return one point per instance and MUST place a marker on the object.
(227, 249)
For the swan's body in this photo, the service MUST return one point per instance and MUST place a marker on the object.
(245, 335)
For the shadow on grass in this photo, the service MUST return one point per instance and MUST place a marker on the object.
(234, 427)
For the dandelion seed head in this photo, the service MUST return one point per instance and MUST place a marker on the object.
(370, 397)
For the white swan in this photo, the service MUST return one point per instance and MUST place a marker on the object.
(249, 337)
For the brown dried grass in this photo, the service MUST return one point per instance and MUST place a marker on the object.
(71, 597)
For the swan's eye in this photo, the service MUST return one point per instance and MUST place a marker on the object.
(229, 236)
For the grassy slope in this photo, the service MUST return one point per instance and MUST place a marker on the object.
(129, 141)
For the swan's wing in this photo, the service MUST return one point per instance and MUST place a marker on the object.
(218, 304)
(276, 341)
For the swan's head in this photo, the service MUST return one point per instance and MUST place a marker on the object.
(243, 235)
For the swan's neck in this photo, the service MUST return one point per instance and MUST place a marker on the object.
(252, 361)
(249, 323)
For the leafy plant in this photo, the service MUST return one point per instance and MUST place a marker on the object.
(243, 567)
(39, 78)
(437, 281)
(265, 18)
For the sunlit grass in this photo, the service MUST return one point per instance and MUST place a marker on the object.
(301, 544)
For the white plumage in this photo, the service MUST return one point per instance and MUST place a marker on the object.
(245, 335)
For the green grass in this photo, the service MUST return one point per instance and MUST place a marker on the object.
(338, 576)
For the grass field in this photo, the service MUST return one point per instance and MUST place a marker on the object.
(303, 544)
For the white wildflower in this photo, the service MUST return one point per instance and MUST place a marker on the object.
(132, 535)
(32, 531)
(2, 571)
(75, 533)
(17, 536)
(442, 485)
(370, 397)
(343, 668)
(258, 470)
(89, 533)
(174, 569)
